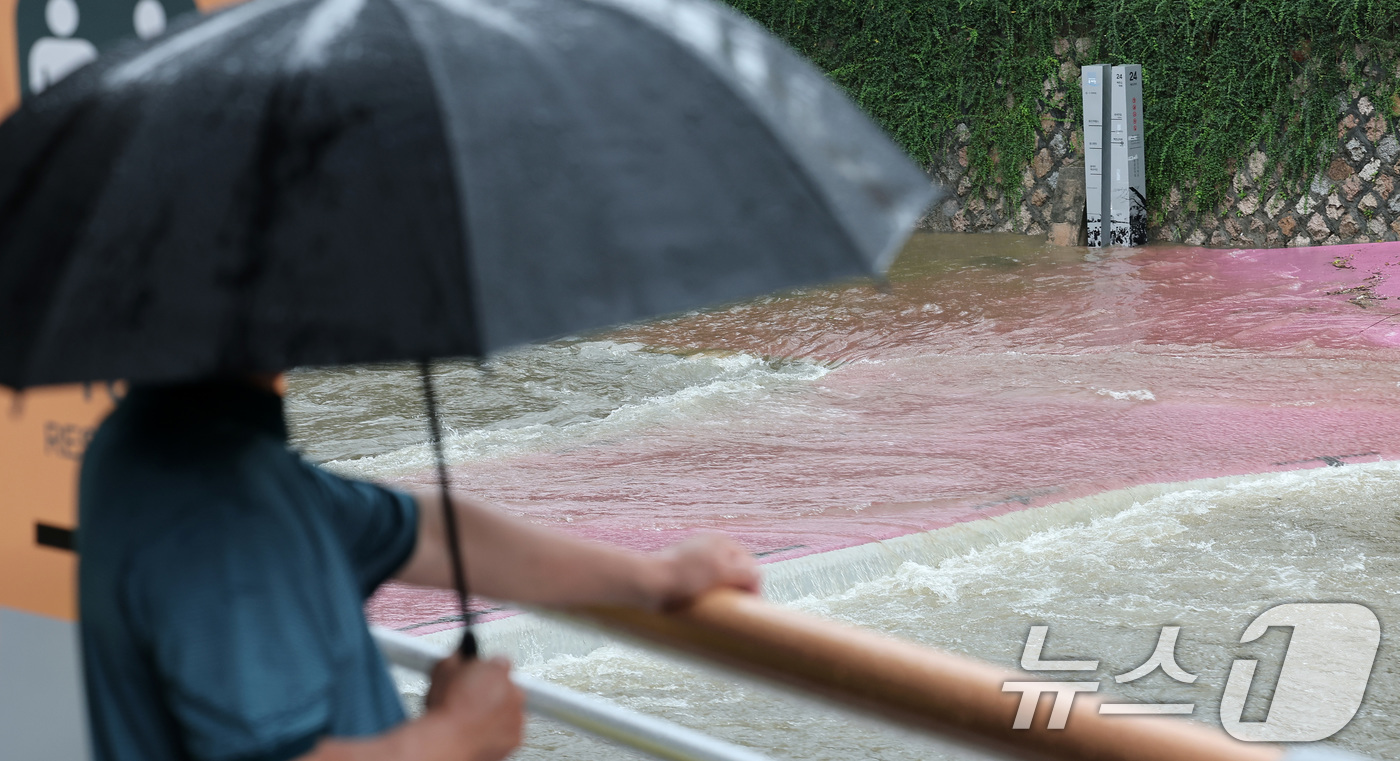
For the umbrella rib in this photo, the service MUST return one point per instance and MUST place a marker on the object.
(440, 82)
(760, 112)
(193, 38)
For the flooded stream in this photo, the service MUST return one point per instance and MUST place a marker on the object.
(990, 375)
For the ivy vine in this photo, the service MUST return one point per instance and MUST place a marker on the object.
(1221, 77)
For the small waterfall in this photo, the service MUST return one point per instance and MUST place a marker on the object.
(530, 639)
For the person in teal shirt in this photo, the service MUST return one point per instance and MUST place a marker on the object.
(222, 581)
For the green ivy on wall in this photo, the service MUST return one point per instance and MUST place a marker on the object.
(1220, 76)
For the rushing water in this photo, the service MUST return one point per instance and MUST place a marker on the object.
(1205, 559)
(990, 374)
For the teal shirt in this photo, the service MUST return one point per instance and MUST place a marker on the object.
(222, 581)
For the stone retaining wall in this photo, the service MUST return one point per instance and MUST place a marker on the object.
(1356, 199)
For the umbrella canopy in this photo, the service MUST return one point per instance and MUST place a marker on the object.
(301, 182)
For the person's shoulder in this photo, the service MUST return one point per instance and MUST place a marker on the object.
(347, 498)
(331, 477)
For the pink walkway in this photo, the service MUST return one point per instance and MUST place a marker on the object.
(994, 374)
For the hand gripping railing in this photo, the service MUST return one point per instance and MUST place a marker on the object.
(951, 695)
(596, 716)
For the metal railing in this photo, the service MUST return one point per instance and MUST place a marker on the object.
(599, 717)
(949, 695)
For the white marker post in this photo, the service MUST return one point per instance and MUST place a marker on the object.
(1093, 83)
(1128, 193)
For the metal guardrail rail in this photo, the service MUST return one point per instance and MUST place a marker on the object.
(599, 717)
(949, 695)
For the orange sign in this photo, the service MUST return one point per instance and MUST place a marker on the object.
(9, 58)
(44, 431)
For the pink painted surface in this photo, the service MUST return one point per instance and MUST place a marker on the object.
(993, 374)
(1374, 264)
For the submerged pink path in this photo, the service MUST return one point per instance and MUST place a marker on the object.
(993, 374)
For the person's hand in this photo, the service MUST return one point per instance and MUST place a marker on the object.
(480, 700)
(701, 563)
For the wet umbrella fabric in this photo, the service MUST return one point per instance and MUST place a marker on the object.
(303, 182)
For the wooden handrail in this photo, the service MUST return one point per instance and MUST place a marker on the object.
(950, 694)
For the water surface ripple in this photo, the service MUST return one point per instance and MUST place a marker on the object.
(990, 374)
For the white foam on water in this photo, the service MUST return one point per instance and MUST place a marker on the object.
(675, 389)
(1141, 395)
(1105, 573)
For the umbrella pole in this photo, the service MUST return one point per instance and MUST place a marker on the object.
(467, 649)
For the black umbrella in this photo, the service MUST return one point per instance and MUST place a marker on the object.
(304, 182)
(294, 182)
